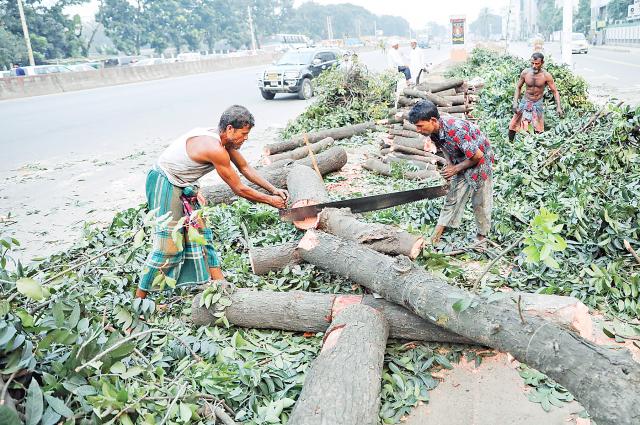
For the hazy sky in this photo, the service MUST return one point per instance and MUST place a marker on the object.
(416, 12)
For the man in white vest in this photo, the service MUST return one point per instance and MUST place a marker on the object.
(417, 61)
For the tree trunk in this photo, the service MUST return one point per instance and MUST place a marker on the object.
(606, 384)
(426, 159)
(334, 133)
(342, 387)
(399, 132)
(437, 99)
(460, 99)
(331, 160)
(440, 86)
(411, 142)
(379, 167)
(307, 188)
(301, 311)
(399, 157)
(456, 109)
(408, 126)
(300, 152)
(407, 101)
(273, 258)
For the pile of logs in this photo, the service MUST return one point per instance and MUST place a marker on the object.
(343, 384)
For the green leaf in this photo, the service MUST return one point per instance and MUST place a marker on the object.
(8, 416)
(35, 404)
(195, 236)
(171, 282)
(532, 253)
(185, 412)
(58, 406)
(138, 239)
(461, 305)
(30, 288)
(551, 263)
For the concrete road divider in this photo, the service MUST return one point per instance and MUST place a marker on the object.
(17, 87)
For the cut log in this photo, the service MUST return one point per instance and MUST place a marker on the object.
(409, 126)
(407, 101)
(273, 258)
(300, 152)
(437, 99)
(441, 85)
(394, 157)
(404, 133)
(604, 381)
(306, 188)
(342, 387)
(379, 167)
(460, 99)
(331, 160)
(301, 311)
(411, 142)
(413, 153)
(315, 136)
(456, 109)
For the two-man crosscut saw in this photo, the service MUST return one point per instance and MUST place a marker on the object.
(366, 203)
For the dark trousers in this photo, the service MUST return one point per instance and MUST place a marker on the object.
(405, 70)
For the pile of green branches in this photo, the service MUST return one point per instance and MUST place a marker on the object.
(343, 98)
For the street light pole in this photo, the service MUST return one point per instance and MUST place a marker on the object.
(253, 35)
(25, 31)
(567, 27)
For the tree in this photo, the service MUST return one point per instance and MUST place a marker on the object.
(124, 24)
(582, 18)
(618, 10)
(487, 24)
(549, 17)
(12, 49)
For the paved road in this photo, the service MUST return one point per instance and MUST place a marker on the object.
(609, 73)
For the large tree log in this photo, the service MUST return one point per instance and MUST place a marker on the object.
(460, 99)
(604, 381)
(409, 126)
(334, 133)
(441, 85)
(331, 160)
(274, 257)
(411, 142)
(400, 132)
(300, 311)
(437, 99)
(342, 387)
(407, 101)
(306, 188)
(300, 152)
(456, 109)
(379, 167)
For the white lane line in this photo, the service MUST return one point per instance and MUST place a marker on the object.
(635, 65)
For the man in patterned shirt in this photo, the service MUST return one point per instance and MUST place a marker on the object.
(470, 159)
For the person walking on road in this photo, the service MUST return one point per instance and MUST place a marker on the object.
(185, 253)
(469, 171)
(397, 61)
(417, 62)
(529, 111)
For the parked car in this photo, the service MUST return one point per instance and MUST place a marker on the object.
(189, 57)
(149, 61)
(295, 70)
(579, 43)
(79, 67)
(42, 70)
(122, 61)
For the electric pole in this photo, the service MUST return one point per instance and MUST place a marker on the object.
(25, 31)
(567, 26)
(329, 28)
(253, 35)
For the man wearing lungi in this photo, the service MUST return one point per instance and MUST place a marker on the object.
(189, 258)
(530, 109)
(469, 171)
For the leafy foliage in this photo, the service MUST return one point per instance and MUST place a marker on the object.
(344, 98)
(543, 239)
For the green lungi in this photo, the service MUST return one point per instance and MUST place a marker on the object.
(189, 266)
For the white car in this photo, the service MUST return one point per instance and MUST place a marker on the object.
(579, 43)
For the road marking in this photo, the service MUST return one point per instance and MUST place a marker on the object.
(615, 61)
(588, 69)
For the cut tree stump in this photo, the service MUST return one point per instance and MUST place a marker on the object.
(300, 152)
(315, 136)
(379, 167)
(604, 381)
(342, 386)
(307, 188)
(300, 311)
(331, 160)
(410, 142)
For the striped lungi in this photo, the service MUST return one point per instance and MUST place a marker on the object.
(189, 265)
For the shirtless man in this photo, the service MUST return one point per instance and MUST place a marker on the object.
(530, 110)
(186, 256)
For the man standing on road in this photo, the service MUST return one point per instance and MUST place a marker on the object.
(172, 187)
(530, 109)
(397, 61)
(469, 171)
(417, 61)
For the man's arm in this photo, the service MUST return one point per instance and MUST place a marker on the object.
(451, 170)
(252, 175)
(220, 159)
(556, 94)
(516, 95)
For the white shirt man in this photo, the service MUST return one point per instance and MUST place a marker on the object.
(397, 61)
(417, 61)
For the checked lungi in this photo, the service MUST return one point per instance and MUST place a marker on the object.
(528, 112)
(189, 266)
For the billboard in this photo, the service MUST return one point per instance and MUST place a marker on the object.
(457, 30)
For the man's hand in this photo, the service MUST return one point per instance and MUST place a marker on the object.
(277, 202)
(201, 199)
(449, 171)
(281, 193)
(560, 112)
